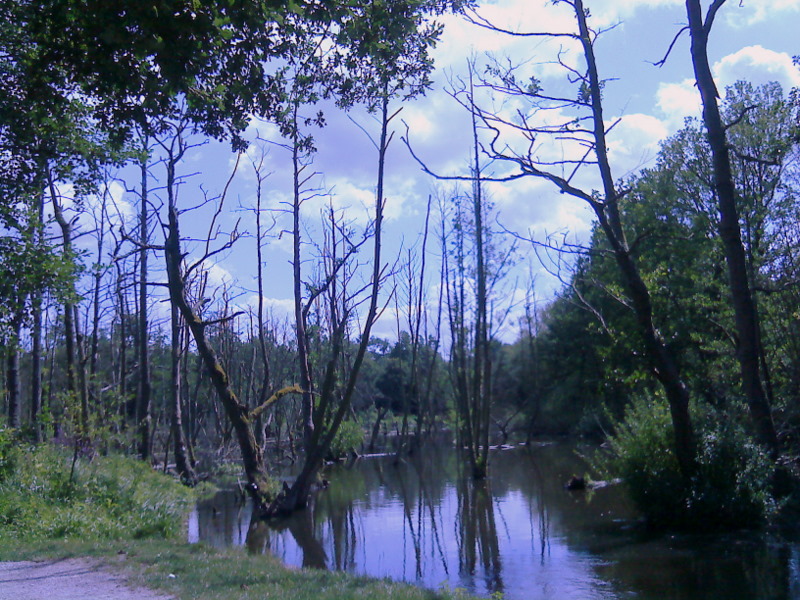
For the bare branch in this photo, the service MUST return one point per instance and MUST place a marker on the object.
(476, 19)
(712, 12)
(256, 412)
(663, 61)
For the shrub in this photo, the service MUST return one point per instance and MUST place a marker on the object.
(8, 453)
(730, 489)
(111, 498)
(349, 437)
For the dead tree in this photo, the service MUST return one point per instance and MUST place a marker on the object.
(584, 133)
(334, 401)
(239, 415)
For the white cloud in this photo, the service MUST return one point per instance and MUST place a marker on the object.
(634, 141)
(120, 209)
(277, 308)
(607, 12)
(754, 11)
(567, 215)
(218, 276)
(676, 101)
(347, 198)
(419, 122)
(758, 65)
(356, 202)
(461, 38)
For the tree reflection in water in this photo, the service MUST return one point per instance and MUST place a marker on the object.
(520, 533)
(301, 527)
(477, 532)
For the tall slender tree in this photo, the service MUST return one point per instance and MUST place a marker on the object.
(746, 313)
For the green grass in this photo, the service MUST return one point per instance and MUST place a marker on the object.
(131, 519)
(43, 497)
(204, 573)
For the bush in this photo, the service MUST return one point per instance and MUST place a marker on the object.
(730, 489)
(349, 437)
(8, 453)
(110, 498)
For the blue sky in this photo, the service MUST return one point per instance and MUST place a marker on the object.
(752, 39)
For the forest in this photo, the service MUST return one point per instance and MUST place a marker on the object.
(674, 337)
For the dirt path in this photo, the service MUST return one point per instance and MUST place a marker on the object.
(71, 579)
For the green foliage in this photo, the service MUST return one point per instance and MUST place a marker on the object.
(348, 437)
(589, 349)
(731, 484)
(9, 454)
(111, 497)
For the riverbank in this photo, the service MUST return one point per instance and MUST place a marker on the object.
(198, 572)
(67, 579)
(120, 523)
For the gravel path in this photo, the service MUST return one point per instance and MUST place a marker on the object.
(71, 579)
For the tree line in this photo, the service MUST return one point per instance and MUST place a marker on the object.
(686, 290)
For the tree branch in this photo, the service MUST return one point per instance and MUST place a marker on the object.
(291, 389)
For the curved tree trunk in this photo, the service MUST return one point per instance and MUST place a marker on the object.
(252, 456)
(662, 362)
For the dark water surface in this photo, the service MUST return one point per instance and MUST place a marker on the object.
(521, 534)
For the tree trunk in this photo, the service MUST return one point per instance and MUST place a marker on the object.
(70, 325)
(143, 417)
(376, 428)
(252, 457)
(182, 463)
(36, 331)
(662, 362)
(36, 367)
(297, 496)
(746, 316)
(12, 373)
(307, 406)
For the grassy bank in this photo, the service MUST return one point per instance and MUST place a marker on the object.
(131, 519)
(197, 572)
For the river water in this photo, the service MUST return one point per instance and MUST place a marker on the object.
(520, 533)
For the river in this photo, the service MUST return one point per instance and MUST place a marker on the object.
(520, 534)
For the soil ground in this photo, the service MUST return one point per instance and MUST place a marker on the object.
(70, 579)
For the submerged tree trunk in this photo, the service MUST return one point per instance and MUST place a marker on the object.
(483, 366)
(296, 496)
(240, 416)
(662, 362)
(307, 405)
(252, 457)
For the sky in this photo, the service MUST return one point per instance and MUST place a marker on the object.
(751, 39)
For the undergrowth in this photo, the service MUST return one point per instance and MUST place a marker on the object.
(43, 497)
(731, 485)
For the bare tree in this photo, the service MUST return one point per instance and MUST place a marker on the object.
(333, 406)
(584, 136)
(143, 417)
(76, 373)
(239, 415)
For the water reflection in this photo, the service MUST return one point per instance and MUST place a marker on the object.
(520, 533)
(477, 539)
